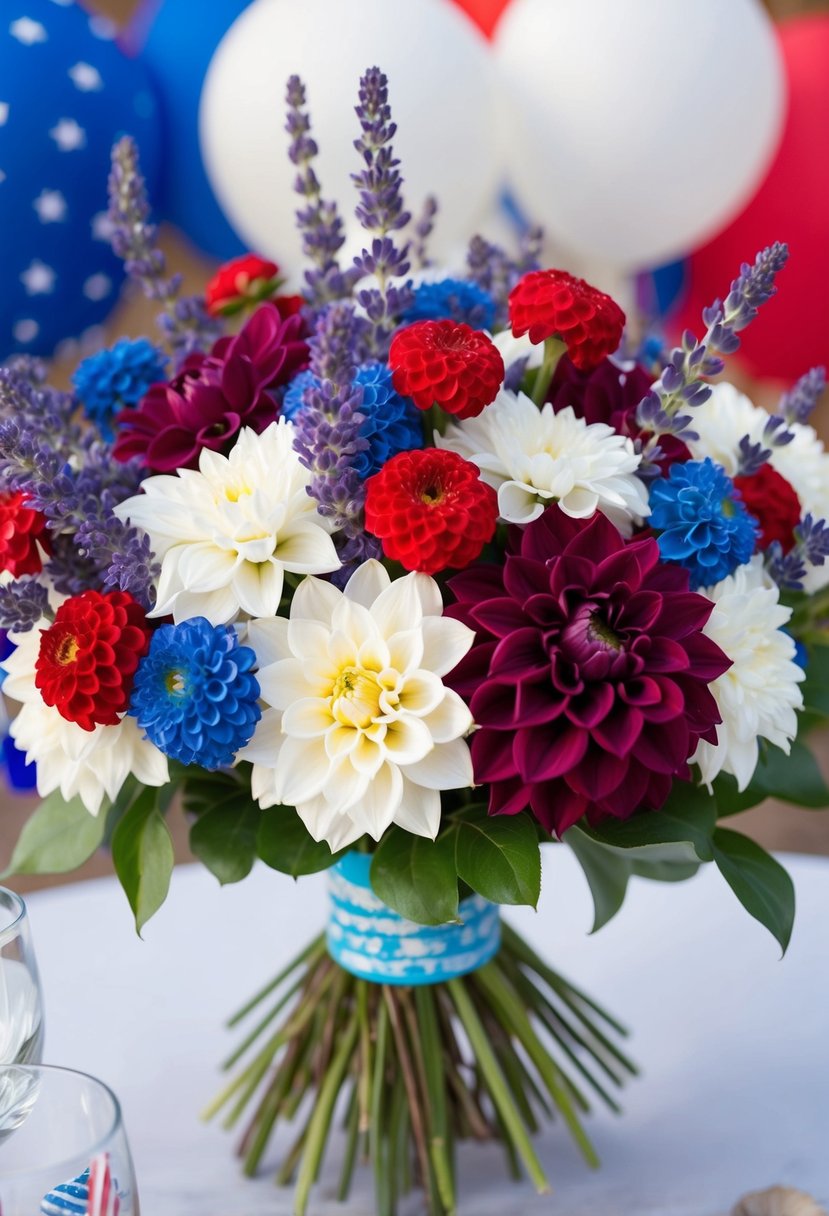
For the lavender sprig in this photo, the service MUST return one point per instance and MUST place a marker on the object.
(798, 403)
(753, 455)
(381, 212)
(496, 272)
(422, 231)
(682, 383)
(811, 548)
(184, 321)
(328, 427)
(320, 225)
(22, 604)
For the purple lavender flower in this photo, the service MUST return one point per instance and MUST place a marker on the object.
(493, 270)
(811, 548)
(381, 212)
(184, 321)
(319, 223)
(22, 604)
(682, 383)
(423, 230)
(798, 403)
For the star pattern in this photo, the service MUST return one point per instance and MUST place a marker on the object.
(86, 78)
(38, 278)
(4, 113)
(50, 206)
(97, 287)
(27, 31)
(68, 135)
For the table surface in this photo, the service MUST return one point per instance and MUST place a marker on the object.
(733, 1043)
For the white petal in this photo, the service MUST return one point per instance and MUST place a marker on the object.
(419, 810)
(450, 720)
(405, 650)
(203, 567)
(269, 639)
(447, 767)
(420, 693)
(307, 718)
(307, 549)
(304, 768)
(284, 682)
(258, 588)
(399, 607)
(407, 740)
(315, 600)
(265, 746)
(517, 504)
(381, 802)
(367, 582)
(445, 642)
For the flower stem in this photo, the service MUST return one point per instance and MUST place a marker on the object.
(554, 348)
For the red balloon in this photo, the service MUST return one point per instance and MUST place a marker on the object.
(791, 333)
(485, 13)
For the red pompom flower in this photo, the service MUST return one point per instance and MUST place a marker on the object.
(431, 510)
(773, 503)
(555, 304)
(22, 535)
(89, 656)
(242, 281)
(446, 363)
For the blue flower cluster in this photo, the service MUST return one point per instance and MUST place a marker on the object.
(117, 377)
(194, 695)
(392, 423)
(452, 300)
(702, 522)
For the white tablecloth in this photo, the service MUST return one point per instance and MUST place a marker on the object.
(733, 1043)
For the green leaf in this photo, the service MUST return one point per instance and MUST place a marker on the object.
(417, 877)
(498, 856)
(665, 871)
(607, 872)
(142, 851)
(730, 800)
(815, 687)
(679, 833)
(224, 838)
(760, 883)
(795, 778)
(285, 844)
(59, 836)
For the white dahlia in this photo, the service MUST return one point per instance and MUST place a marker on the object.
(227, 532)
(758, 695)
(360, 731)
(90, 764)
(534, 457)
(728, 415)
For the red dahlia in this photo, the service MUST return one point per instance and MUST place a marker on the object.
(448, 364)
(22, 535)
(555, 304)
(431, 510)
(589, 675)
(89, 656)
(242, 281)
(773, 503)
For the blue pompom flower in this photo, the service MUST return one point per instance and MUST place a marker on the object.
(120, 376)
(194, 695)
(703, 523)
(452, 300)
(392, 423)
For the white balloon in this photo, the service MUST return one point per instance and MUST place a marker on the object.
(441, 91)
(638, 128)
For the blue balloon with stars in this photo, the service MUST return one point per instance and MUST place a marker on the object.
(67, 92)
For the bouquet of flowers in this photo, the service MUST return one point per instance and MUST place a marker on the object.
(404, 577)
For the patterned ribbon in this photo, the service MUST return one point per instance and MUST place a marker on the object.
(366, 938)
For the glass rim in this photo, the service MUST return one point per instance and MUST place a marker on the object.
(17, 909)
(116, 1124)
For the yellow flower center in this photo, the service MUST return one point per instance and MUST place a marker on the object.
(355, 697)
(174, 682)
(67, 650)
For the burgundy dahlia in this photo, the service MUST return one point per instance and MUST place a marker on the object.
(589, 675)
(213, 396)
(610, 393)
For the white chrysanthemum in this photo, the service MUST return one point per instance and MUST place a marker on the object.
(534, 457)
(728, 415)
(91, 764)
(758, 695)
(227, 532)
(361, 731)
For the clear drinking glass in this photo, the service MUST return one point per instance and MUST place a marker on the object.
(63, 1148)
(21, 1005)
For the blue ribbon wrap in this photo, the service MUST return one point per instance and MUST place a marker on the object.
(371, 941)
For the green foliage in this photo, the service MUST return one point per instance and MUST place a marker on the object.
(680, 833)
(498, 856)
(815, 687)
(284, 843)
(760, 883)
(142, 852)
(417, 877)
(59, 836)
(224, 837)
